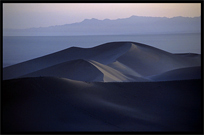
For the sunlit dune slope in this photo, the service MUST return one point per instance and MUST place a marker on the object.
(104, 54)
(112, 75)
(84, 70)
(123, 61)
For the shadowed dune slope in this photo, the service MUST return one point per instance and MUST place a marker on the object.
(179, 74)
(84, 70)
(104, 54)
(42, 62)
(59, 104)
(133, 60)
(78, 69)
(195, 55)
(147, 60)
(191, 56)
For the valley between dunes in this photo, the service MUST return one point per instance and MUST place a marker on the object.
(117, 86)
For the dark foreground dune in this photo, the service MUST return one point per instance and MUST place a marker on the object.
(57, 104)
(117, 86)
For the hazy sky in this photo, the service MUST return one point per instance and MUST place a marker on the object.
(23, 15)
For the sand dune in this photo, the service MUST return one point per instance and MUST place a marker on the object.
(179, 74)
(191, 57)
(117, 61)
(147, 60)
(84, 70)
(103, 54)
(41, 62)
(117, 86)
(125, 70)
(112, 75)
(59, 104)
(188, 54)
(108, 52)
(75, 69)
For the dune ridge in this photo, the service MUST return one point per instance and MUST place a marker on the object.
(178, 74)
(116, 61)
(74, 69)
(77, 70)
(148, 61)
(72, 53)
(112, 75)
(116, 86)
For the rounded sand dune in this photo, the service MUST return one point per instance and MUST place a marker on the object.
(179, 74)
(47, 104)
(147, 60)
(116, 61)
(79, 69)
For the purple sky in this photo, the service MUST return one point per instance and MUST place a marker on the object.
(23, 15)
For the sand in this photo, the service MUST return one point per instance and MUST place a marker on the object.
(178, 74)
(117, 86)
(74, 69)
(53, 104)
(119, 61)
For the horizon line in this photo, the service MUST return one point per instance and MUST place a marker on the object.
(98, 20)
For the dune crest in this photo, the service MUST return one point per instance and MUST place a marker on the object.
(75, 69)
(117, 86)
(148, 61)
(112, 75)
(110, 62)
(178, 74)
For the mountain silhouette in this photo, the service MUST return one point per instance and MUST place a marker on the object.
(131, 25)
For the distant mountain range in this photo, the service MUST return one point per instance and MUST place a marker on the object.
(131, 25)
